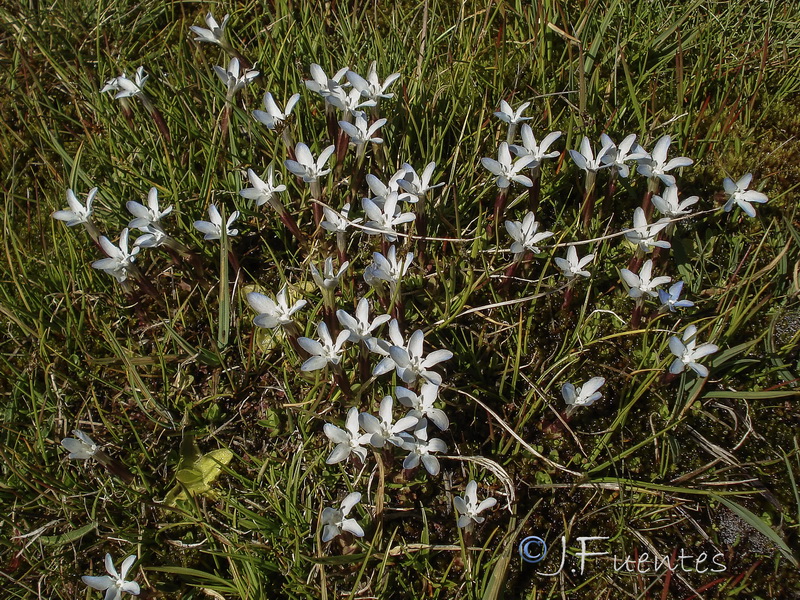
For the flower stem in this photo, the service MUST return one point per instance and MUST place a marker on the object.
(588, 199)
(534, 191)
(223, 324)
(647, 201)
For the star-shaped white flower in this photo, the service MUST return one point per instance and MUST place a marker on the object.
(657, 165)
(335, 520)
(81, 447)
(671, 299)
(119, 261)
(360, 328)
(273, 313)
(337, 222)
(585, 158)
(149, 215)
(422, 404)
(348, 440)
(232, 78)
(507, 171)
(323, 352)
(584, 395)
(273, 116)
(305, 166)
(214, 34)
(348, 101)
(468, 507)
(525, 236)
(740, 195)
(262, 191)
(688, 352)
(371, 87)
(329, 279)
(572, 266)
(509, 115)
(320, 82)
(411, 363)
(417, 186)
(382, 191)
(384, 220)
(212, 230)
(382, 428)
(387, 268)
(77, 213)
(669, 205)
(115, 584)
(616, 156)
(124, 87)
(537, 151)
(421, 449)
(643, 284)
(644, 235)
(361, 131)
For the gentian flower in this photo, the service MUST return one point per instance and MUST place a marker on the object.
(362, 132)
(338, 222)
(657, 165)
(114, 584)
(616, 156)
(371, 87)
(77, 213)
(153, 237)
(572, 267)
(584, 395)
(387, 268)
(81, 447)
(146, 216)
(383, 191)
(509, 115)
(585, 159)
(320, 82)
(525, 236)
(348, 441)
(124, 87)
(384, 220)
(232, 78)
(119, 261)
(417, 186)
(273, 313)
(305, 166)
(382, 429)
(379, 346)
(537, 151)
(214, 34)
(643, 283)
(421, 404)
(688, 353)
(347, 101)
(468, 507)
(411, 364)
(360, 328)
(669, 206)
(262, 191)
(324, 351)
(335, 520)
(739, 194)
(212, 230)
(273, 116)
(671, 299)
(421, 449)
(328, 280)
(506, 171)
(644, 235)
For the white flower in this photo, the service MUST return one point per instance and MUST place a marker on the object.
(644, 235)
(739, 194)
(146, 216)
(153, 236)
(421, 404)
(468, 507)
(584, 395)
(77, 213)
(643, 283)
(524, 234)
(509, 115)
(80, 447)
(359, 328)
(383, 191)
(337, 222)
(417, 186)
(657, 165)
(273, 313)
(688, 353)
(616, 156)
(371, 87)
(273, 116)
(386, 219)
(346, 101)
(119, 260)
(379, 346)
(411, 364)
(506, 171)
(362, 132)
(671, 299)
(572, 266)
(262, 191)
(320, 83)
(114, 583)
(669, 206)
(305, 166)
(214, 34)
(124, 87)
(323, 351)
(382, 429)
(387, 268)
(537, 151)
(348, 440)
(335, 520)
(212, 230)
(328, 280)
(232, 78)
(585, 159)
(421, 449)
